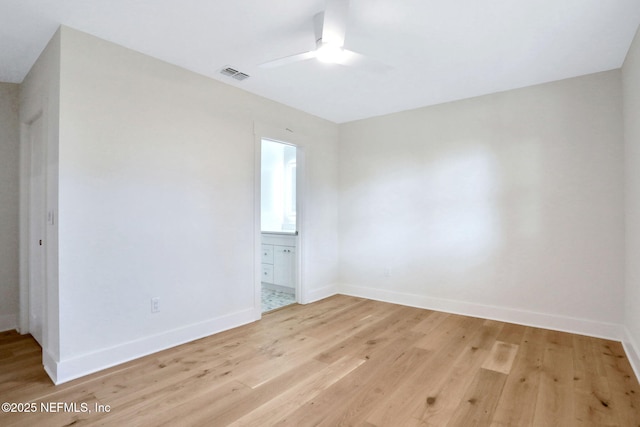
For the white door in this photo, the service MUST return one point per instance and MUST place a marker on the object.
(37, 229)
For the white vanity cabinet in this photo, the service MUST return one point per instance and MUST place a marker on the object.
(284, 266)
(267, 263)
(279, 260)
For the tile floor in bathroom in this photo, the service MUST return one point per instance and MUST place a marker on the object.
(272, 299)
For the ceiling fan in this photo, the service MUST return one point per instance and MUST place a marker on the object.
(331, 27)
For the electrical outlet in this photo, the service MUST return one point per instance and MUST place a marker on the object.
(155, 305)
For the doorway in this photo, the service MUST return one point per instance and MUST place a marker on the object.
(279, 224)
(37, 190)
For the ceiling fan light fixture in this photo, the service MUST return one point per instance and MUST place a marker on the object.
(330, 53)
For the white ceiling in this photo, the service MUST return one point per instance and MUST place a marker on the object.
(440, 50)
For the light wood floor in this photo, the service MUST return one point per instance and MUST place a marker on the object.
(345, 361)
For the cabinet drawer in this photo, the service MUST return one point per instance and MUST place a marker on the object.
(267, 254)
(267, 273)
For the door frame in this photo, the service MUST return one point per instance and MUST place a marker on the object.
(288, 137)
(37, 227)
(28, 216)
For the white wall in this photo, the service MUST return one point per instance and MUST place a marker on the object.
(631, 87)
(9, 202)
(506, 206)
(156, 199)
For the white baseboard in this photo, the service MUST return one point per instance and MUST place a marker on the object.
(8, 322)
(70, 369)
(633, 352)
(50, 366)
(322, 293)
(540, 320)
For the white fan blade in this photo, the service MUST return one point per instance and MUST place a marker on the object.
(289, 59)
(354, 59)
(334, 26)
(318, 22)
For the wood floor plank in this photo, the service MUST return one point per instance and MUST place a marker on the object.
(431, 322)
(373, 334)
(517, 403)
(345, 322)
(555, 400)
(282, 360)
(512, 333)
(363, 393)
(443, 398)
(351, 399)
(203, 410)
(501, 357)
(456, 327)
(289, 400)
(401, 404)
(625, 392)
(557, 338)
(177, 408)
(345, 361)
(591, 388)
(386, 330)
(480, 401)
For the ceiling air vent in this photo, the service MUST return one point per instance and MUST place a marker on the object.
(233, 73)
